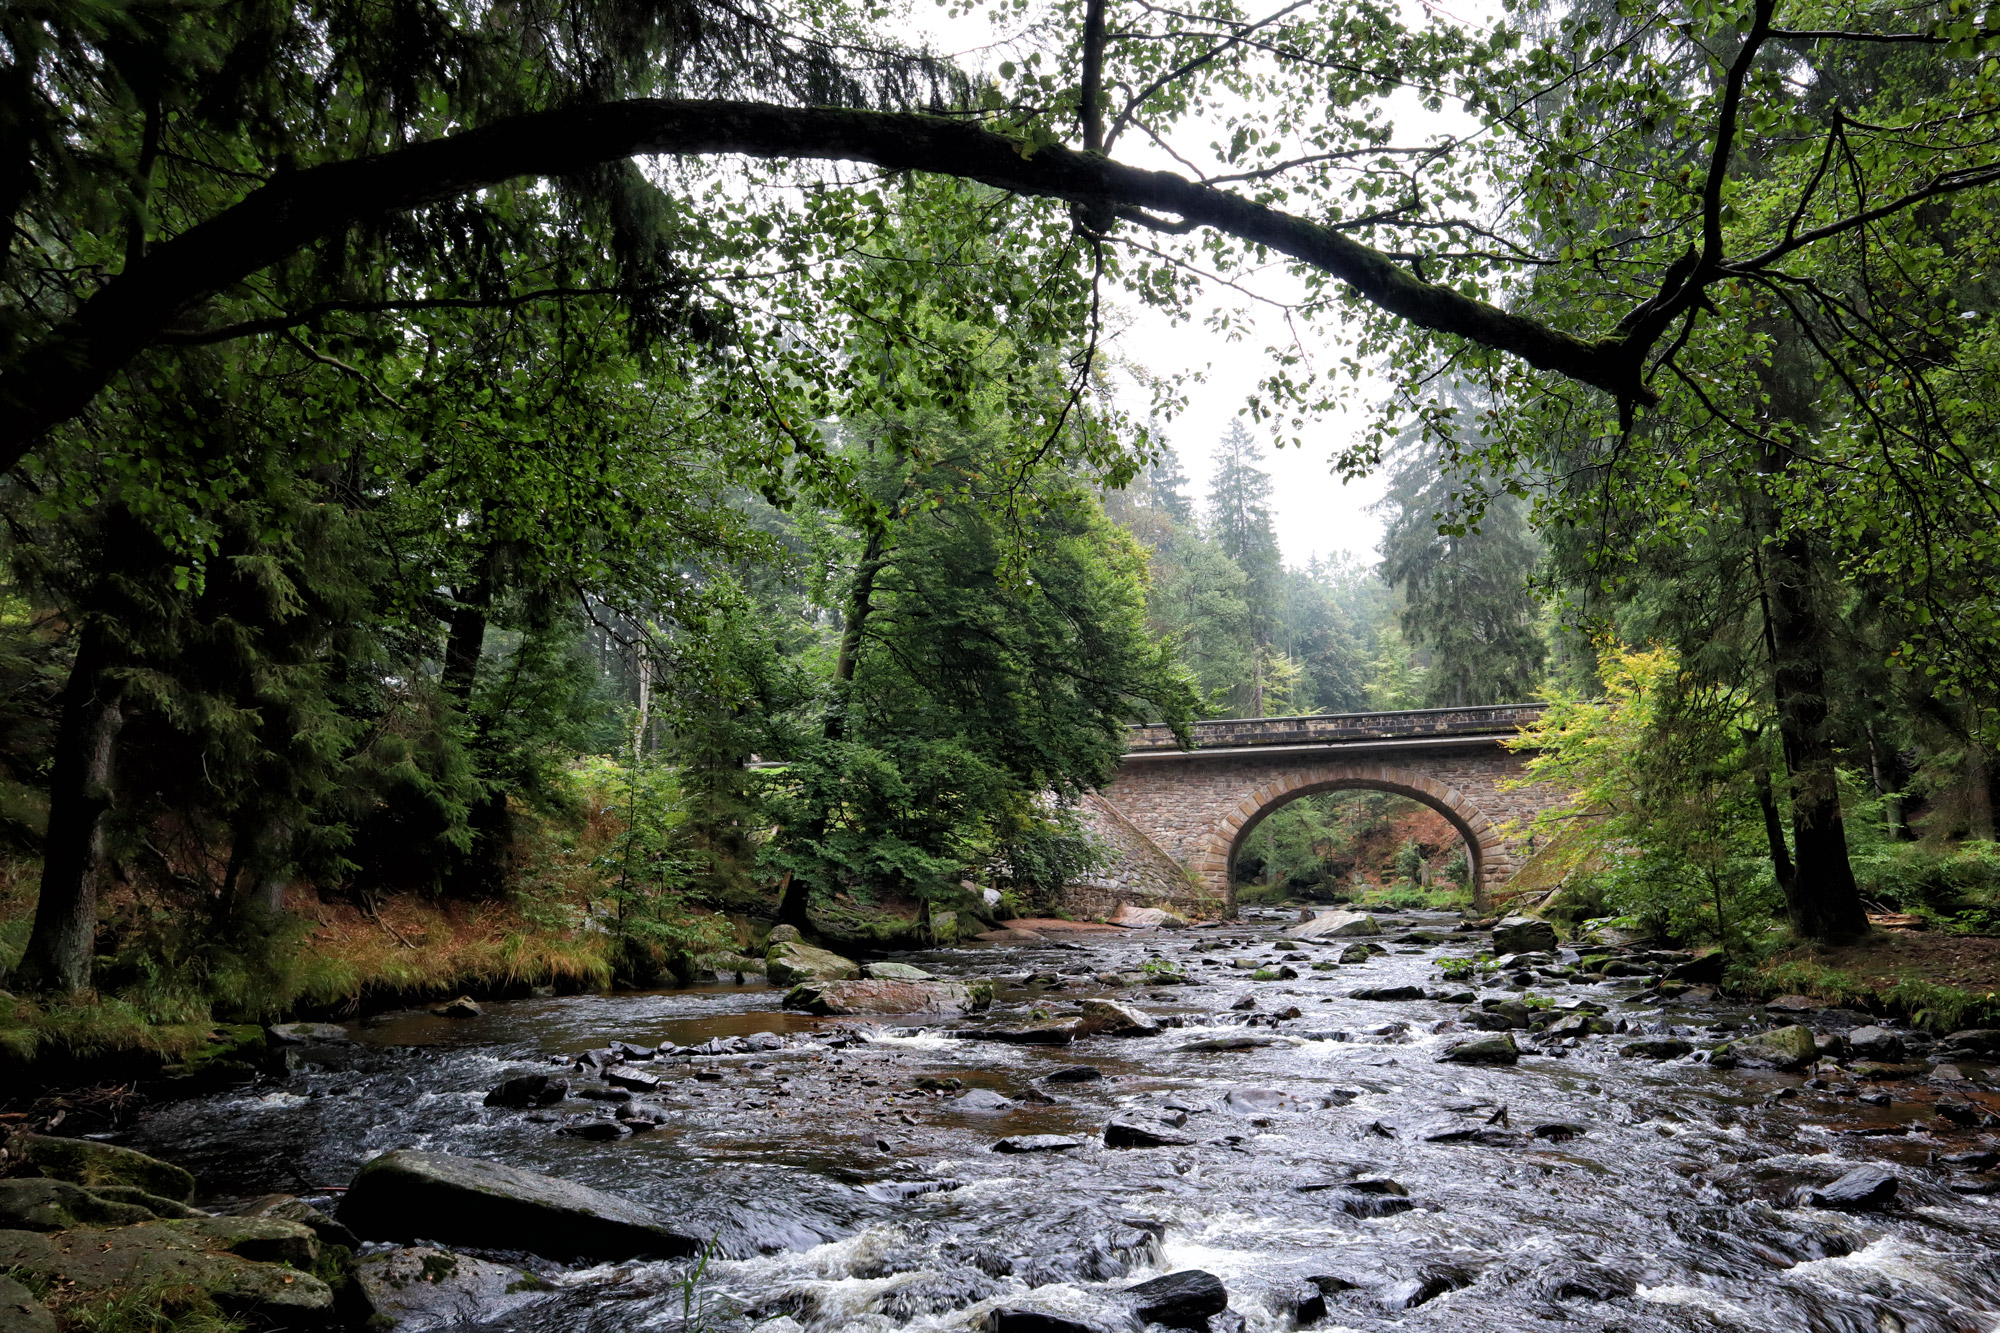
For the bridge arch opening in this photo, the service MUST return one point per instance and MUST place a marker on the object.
(1475, 827)
(1351, 842)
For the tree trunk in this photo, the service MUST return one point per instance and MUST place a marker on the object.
(58, 956)
(860, 603)
(466, 634)
(1767, 802)
(1823, 900)
(1978, 781)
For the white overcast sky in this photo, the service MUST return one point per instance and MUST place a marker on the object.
(1315, 512)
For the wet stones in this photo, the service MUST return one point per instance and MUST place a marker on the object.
(1041, 1034)
(1780, 1048)
(1027, 1143)
(888, 996)
(402, 1195)
(1387, 993)
(422, 1288)
(1358, 953)
(1335, 925)
(1035, 1321)
(1499, 1050)
(1875, 1043)
(983, 1099)
(1132, 1131)
(794, 962)
(1561, 1131)
(1241, 1041)
(1971, 1044)
(632, 1080)
(1579, 1025)
(595, 1130)
(1657, 1048)
(894, 972)
(1523, 934)
(1109, 1018)
(1864, 1189)
(1183, 1300)
(1074, 1074)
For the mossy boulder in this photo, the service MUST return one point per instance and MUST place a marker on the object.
(37, 1204)
(424, 1288)
(793, 962)
(233, 1053)
(1781, 1048)
(403, 1195)
(1499, 1050)
(834, 998)
(90, 1164)
(226, 1260)
(895, 972)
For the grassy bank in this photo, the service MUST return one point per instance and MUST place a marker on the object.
(165, 980)
(1939, 980)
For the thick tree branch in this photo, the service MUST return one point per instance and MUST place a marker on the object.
(56, 380)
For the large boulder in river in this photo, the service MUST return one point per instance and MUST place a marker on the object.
(403, 1195)
(1335, 925)
(1109, 1018)
(947, 998)
(1499, 1050)
(793, 962)
(1186, 1299)
(1781, 1048)
(1523, 934)
(83, 1162)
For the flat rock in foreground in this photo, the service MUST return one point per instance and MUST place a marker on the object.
(950, 998)
(252, 1268)
(404, 1195)
(424, 1288)
(91, 1164)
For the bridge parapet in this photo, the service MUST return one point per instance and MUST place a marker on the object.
(1325, 728)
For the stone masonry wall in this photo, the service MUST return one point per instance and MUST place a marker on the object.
(1143, 875)
(1194, 808)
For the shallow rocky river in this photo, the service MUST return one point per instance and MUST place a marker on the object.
(1327, 1167)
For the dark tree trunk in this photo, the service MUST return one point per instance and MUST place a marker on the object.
(1823, 900)
(1978, 781)
(1774, 826)
(860, 604)
(467, 629)
(58, 956)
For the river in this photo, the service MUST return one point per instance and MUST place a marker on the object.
(845, 1196)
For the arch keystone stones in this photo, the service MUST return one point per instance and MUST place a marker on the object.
(1176, 816)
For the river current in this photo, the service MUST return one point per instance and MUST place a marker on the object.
(850, 1185)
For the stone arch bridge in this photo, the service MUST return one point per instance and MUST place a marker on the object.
(1177, 817)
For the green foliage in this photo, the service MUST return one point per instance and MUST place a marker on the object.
(1662, 778)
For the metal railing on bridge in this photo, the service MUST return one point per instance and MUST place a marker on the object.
(1335, 729)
